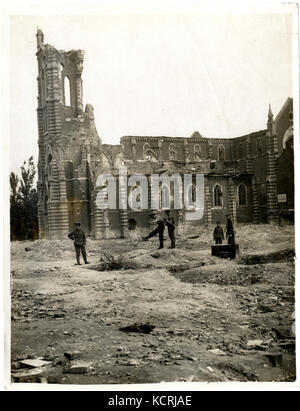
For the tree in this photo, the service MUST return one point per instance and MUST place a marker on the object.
(23, 203)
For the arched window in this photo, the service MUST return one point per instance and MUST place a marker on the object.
(259, 147)
(67, 91)
(218, 196)
(149, 153)
(197, 152)
(49, 164)
(242, 195)
(221, 152)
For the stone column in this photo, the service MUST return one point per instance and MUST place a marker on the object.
(153, 212)
(79, 92)
(186, 150)
(99, 231)
(255, 204)
(123, 212)
(53, 97)
(207, 204)
(249, 157)
(210, 150)
(232, 200)
(40, 209)
(58, 215)
(272, 202)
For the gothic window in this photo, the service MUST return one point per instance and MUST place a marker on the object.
(67, 91)
(218, 202)
(148, 153)
(259, 147)
(242, 195)
(221, 152)
(291, 115)
(197, 152)
(172, 152)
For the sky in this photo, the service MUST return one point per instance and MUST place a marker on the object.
(157, 74)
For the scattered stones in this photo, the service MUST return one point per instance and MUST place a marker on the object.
(217, 351)
(73, 355)
(34, 363)
(28, 249)
(145, 328)
(78, 367)
(29, 375)
(59, 315)
(282, 332)
(274, 357)
(254, 343)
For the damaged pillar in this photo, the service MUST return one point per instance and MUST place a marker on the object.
(79, 93)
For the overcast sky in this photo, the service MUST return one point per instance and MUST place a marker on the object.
(158, 74)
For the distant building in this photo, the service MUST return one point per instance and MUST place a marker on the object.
(248, 177)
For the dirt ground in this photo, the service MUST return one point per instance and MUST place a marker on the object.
(214, 319)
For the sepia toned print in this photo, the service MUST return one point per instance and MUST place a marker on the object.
(152, 258)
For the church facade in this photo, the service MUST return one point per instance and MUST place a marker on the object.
(249, 177)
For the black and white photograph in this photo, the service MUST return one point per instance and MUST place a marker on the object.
(150, 202)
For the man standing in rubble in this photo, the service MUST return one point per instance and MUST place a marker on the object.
(79, 239)
(229, 230)
(218, 233)
(158, 230)
(171, 227)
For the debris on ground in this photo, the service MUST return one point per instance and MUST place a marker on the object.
(229, 320)
(138, 328)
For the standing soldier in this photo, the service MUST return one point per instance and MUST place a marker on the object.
(79, 239)
(218, 233)
(158, 230)
(171, 227)
(229, 230)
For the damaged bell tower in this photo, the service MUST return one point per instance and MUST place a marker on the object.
(69, 145)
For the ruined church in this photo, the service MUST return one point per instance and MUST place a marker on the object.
(249, 177)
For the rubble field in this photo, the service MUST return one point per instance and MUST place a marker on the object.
(141, 315)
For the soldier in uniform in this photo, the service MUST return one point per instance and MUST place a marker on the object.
(171, 227)
(229, 230)
(79, 239)
(218, 234)
(158, 230)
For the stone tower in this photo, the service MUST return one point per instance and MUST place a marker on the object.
(69, 146)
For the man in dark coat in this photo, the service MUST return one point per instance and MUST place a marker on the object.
(79, 239)
(171, 227)
(218, 234)
(229, 230)
(158, 230)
